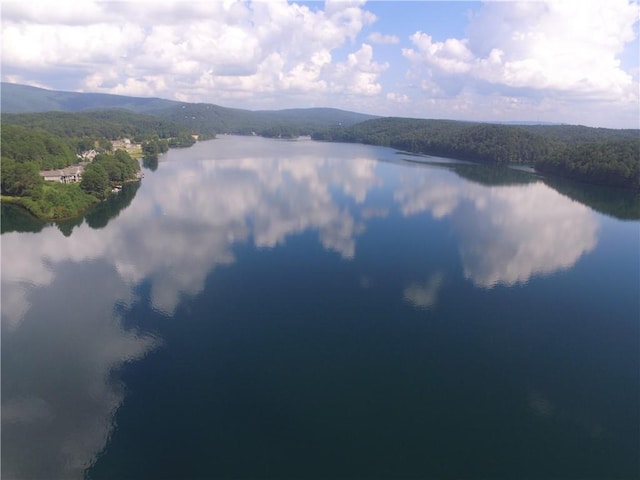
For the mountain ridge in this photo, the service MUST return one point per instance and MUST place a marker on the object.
(204, 117)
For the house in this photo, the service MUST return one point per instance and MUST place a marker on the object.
(87, 155)
(124, 144)
(70, 174)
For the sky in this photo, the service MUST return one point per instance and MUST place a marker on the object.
(561, 61)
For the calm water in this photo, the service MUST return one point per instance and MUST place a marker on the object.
(271, 309)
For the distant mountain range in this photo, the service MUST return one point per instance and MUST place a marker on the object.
(26, 99)
(202, 117)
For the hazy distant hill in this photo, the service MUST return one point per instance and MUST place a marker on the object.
(25, 99)
(201, 117)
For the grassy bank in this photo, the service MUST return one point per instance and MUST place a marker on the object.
(55, 201)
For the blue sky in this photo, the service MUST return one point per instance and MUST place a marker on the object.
(559, 61)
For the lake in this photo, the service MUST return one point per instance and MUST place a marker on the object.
(293, 309)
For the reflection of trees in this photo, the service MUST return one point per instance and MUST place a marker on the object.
(493, 175)
(17, 219)
(617, 202)
(150, 163)
(67, 226)
(99, 216)
(488, 175)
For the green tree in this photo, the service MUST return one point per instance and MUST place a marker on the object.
(151, 149)
(95, 181)
(20, 178)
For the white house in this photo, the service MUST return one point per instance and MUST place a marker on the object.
(70, 174)
(87, 155)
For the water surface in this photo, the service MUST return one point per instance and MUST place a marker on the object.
(276, 309)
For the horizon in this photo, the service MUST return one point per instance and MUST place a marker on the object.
(493, 62)
(500, 122)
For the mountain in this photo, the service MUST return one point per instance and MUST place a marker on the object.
(203, 118)
(25, 99)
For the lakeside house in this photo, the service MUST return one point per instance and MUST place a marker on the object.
(70, 174)
(87, 156)
(132, 148)
(123, 144)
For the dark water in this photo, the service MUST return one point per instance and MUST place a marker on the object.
(271, 309)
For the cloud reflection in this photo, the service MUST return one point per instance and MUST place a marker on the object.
(209, 207)
(506, 234)
(424, 295)
(58, 395)
(191, 217)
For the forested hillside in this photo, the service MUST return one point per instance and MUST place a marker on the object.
(46, 150)
(202, 118)
(615, 163)
(471, 141)
(98, 125)
(595, 155)
(575, 134)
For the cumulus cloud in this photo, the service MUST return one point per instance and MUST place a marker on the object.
(561, 60)
(566, 46)
(397, 97)
(566, 50)
(377, 37)
(359, 73)
(205, 51)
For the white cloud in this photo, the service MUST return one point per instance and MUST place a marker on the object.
(207, 51)
(450, 56)
(359, 73)
(40, 46)
(397, 97)
(564, 60)
(377, 37)
(567, 50)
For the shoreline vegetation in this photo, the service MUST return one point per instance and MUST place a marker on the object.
(108, 146)
(597, 156)
(105, 147)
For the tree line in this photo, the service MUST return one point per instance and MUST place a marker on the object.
(23, 185)
(107, 124)
(600, 156)
(49, 141)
